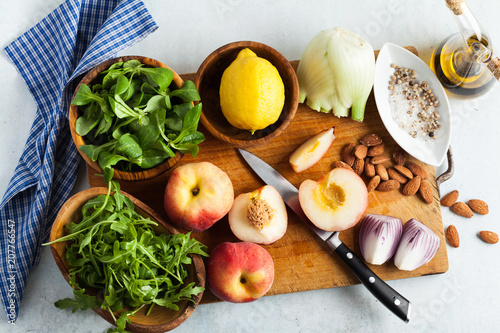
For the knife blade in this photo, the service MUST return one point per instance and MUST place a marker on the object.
(395, 302)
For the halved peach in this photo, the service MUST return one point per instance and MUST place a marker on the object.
(336, 201)
(259, 216)
(312, 150)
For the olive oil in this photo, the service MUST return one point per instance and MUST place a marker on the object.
(460, 66)
(464, 62)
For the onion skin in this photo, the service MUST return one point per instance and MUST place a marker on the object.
(418, 245)
(379, 236)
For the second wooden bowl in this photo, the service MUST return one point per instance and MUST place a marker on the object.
(160, 319)
(208, 80)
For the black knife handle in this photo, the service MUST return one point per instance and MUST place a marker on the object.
(399, 305)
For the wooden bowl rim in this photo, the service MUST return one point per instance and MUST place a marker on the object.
(75, 203)
(78, 140)
(294, 101)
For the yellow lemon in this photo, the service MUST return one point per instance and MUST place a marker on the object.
(252, 93)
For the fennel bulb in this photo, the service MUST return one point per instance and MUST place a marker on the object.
(336, 72)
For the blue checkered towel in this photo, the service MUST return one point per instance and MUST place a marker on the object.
(74, 38)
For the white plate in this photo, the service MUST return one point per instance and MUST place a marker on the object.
(427, 150)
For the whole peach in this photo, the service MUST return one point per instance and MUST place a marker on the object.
(239, 272)
(197, 195)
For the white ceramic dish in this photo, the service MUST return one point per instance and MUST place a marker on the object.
(427, 150)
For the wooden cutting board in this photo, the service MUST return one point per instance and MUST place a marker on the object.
(301, 262)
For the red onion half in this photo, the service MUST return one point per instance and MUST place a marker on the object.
(379, 236)
(418, 245)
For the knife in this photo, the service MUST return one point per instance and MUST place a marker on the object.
(395, 302)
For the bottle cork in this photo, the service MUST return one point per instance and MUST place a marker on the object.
(494, 67)
(455, 6)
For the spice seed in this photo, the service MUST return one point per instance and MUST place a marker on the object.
(406, 93)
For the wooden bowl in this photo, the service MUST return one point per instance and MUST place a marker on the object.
(208, 80)
(88, 79)
(160, 319)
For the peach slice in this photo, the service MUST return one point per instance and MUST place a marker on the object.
(259, 216)
(335, 202)
(312, 150)
(239, 272)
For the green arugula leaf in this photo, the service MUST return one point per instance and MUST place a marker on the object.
(82, 301)
(122, 322)
(81, 304)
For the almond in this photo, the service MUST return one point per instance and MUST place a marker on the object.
(380, 159)
(370, 140)
(369, 169)
(376, 150)
(449, 199)
(399, 156)
(358, 166)
(393, 174)
(478, 206)
(425, 191)
(417, 170)
(404, 171)
(360, 151)
(381, 171)
(462, 209)
(388, 185)
(412, 186)
(348, 154)
(452, 236)
(373, 183)
(341, 164)
(488, 236)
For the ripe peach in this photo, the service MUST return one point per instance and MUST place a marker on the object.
(336, 201)
(197, 195)
(239, 272)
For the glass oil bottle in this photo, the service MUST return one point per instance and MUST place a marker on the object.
(464, 62)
